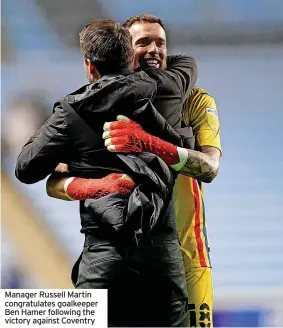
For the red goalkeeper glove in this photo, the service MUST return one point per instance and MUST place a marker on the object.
(126, 135)
(81, 189)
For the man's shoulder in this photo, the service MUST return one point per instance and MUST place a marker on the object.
(110, 91)
(197, 97)
(139, 84)
(79, 94)
(198, 92)
(60, 105)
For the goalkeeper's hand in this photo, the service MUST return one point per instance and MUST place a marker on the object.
(125, 135)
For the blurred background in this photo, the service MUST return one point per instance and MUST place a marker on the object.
(239, 48)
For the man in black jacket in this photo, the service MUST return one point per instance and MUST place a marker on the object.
(73, 136)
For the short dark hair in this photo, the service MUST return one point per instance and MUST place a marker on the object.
(147, 18)
(107, 44)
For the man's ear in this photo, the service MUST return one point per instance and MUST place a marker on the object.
(86, 64)
(93, 71)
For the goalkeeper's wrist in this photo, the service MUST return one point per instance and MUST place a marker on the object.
(183, 157)
(163, 149)
(66, 185)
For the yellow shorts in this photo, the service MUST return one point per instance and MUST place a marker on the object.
(200, 293)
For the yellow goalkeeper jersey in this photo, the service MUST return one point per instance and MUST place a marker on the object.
(199, 112)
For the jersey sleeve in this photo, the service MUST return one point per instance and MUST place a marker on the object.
(201, 114)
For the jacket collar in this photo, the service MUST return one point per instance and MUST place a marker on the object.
(123, 71)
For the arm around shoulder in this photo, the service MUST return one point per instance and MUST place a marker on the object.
(184, 70)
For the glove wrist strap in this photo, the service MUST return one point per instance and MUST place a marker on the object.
(183, 157)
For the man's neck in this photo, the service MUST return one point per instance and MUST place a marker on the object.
(122, 71)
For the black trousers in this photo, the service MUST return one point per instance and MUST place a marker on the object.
(146, 287)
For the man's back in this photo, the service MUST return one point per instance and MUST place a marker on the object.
(80, 117)
(167, 89)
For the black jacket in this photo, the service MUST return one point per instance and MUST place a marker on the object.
(73, 135)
